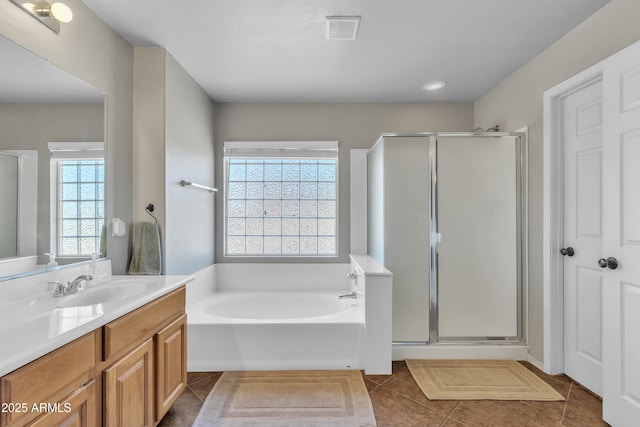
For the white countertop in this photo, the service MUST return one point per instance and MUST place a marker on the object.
(369, 266)
(36, 324)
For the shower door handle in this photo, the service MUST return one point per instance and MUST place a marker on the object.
(567, 251)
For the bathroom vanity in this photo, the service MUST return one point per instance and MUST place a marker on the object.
(126, 368)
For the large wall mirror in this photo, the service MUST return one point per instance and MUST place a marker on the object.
(51, 164)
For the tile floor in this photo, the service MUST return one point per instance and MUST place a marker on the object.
(397, 401)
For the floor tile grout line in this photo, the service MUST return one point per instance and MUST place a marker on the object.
(566, 403)
(525, 402)
(411, 399)
(378, 385)
(449, 417)
(219, 374)
(194, 392)
(375, 388)
(211, 374)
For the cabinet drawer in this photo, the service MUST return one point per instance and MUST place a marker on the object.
(79, 409)
(50, 378)
(135, 327)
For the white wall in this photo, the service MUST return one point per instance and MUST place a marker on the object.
(354, 125)
(92, 51)
(517, 101)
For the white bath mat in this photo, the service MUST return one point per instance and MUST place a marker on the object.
(288, 399)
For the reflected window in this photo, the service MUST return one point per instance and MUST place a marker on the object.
(78, 186)
(281, 199)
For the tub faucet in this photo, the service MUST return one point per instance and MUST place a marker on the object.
(352, 294)
(75, 286)
(353, 276)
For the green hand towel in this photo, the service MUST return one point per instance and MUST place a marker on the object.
(146, 257)
(103, 241)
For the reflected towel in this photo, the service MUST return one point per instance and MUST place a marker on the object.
(146, 257)
(103, 241)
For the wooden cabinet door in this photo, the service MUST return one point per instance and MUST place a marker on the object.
(171, 364)
(78, 410)
(50, 378)
(128, 389)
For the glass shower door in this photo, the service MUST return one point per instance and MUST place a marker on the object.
(478, 211)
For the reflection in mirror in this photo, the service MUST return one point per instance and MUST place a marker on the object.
(51, 164)
(9, 205)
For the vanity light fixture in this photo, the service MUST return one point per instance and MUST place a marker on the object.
(50, 14)
(436, 85)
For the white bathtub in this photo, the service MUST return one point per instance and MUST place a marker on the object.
(236, 331)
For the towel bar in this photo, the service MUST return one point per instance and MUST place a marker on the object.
(193, 184)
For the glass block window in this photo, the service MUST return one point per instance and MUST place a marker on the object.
(278, 205)
(80, 210)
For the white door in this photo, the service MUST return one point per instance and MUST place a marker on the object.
(583, 233)
(621, 286)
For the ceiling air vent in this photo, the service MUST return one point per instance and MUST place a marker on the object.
(342, 27)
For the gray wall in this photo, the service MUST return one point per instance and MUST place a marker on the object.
(8, 205)
(92, 51)
(173, 140)
(149, 135)
(190, 156)
(517, 101)
(31, 127)
(354, 125)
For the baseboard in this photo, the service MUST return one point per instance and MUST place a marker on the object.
(535, 362)
(456, 351)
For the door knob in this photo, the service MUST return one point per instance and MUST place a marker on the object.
(610, 262)
(567, 251)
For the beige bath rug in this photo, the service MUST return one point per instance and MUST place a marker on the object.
(288, 398)
(479, 380)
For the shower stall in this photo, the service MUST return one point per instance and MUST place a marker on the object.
(447, 215)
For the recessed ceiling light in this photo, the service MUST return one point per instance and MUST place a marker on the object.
(431, 86)
(342, 27)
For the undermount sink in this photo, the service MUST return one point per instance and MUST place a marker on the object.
(106, 293)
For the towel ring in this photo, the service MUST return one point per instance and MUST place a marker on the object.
(150, 208)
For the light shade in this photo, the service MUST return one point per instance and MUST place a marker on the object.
(61, 12)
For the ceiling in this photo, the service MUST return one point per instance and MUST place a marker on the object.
(276, 50)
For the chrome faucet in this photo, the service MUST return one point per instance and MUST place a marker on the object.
(78, 283)
(75, 286)
(352, 294)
